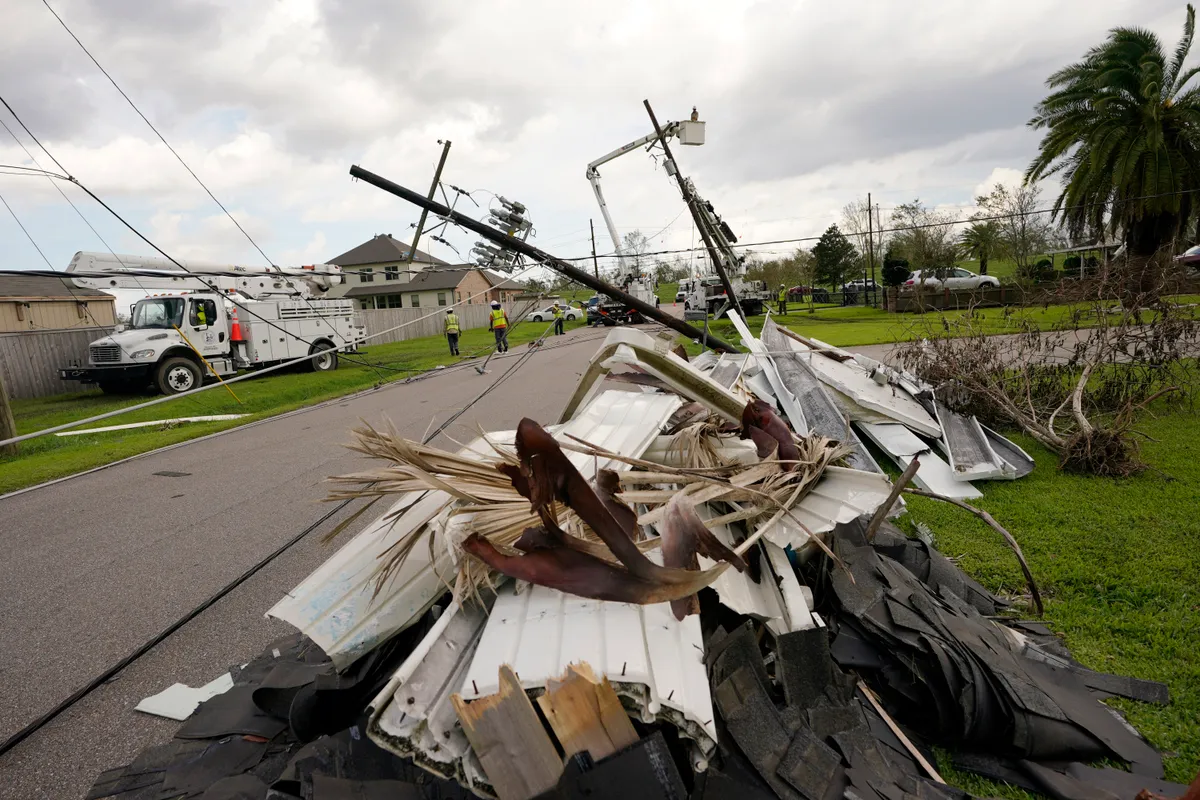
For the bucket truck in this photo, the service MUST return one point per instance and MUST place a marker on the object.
(704, 294)
(190, 327)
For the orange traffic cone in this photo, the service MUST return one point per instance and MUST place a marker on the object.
(235, 328)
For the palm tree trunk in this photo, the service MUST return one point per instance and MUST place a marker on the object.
(983, 259)
(1144, 240)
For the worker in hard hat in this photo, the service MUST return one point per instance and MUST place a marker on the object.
(498, 324)
(452, 330)
(782, 299)
(557, 311)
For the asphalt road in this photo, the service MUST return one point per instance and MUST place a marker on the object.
(96, 565)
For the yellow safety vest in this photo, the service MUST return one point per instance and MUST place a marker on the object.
(499, 320)
(783, 295)
(200, 318)
(451, 323)
(558, 312)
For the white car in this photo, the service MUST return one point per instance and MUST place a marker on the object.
(955, 279)
(546, 314)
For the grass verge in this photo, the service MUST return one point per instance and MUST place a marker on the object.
(1116, 562)
(50, 457)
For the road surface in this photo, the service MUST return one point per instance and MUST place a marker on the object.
(96, 565)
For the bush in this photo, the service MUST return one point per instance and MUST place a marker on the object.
(895, 270)
(1072, 264)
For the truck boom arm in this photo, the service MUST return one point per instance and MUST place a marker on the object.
(107, 271)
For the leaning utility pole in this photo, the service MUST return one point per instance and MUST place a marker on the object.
(595, 262)
(701, 223)
(528, 250)
(8, 426)
(437, 179)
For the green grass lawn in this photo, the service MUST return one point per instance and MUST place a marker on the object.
(50, 457)
(1116, 562)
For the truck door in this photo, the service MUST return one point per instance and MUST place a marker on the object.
(207, 328)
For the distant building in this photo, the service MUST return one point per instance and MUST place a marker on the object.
(436, 287)
(381, 261)
(39, 303)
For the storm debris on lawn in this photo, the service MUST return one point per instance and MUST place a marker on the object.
(670, 593)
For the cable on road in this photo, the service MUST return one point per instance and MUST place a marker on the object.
(146, 647)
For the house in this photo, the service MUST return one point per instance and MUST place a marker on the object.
(39, 303)
(435, 287)
(381, 261)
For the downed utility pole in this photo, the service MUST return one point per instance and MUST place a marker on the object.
(526, 249)
(697, 217)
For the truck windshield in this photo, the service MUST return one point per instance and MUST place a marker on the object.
(161, 312)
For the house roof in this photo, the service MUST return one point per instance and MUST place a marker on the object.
(426, 280)
(44, 286)
(381, 249)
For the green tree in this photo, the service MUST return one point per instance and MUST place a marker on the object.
(836, 257)
(981, 240)
(923, 237)
(1123, 131)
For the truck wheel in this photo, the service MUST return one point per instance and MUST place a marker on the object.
(176, 375)
(327, 361)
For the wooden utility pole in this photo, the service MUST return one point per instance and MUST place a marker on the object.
(595, 262)
(701, 224)
(437, 178)
(8, 426)
(871, 249)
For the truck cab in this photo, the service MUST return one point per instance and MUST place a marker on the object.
(152, 348)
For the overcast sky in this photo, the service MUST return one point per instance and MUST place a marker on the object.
(808, 105)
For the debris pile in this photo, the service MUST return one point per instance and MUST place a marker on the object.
(685, 587)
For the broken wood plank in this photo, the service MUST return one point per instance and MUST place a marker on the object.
(507, 736)
(586, 714)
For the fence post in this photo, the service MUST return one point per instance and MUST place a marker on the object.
(8, 426)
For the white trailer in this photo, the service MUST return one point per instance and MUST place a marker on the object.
(211, 318)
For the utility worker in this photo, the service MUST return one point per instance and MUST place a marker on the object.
(782, 299)
(452, 330)
(558, 319)
(201, 317)
(498, 324)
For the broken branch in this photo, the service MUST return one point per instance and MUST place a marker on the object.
(996, 526)
(882, 512)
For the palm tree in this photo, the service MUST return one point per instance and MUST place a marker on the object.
(981, 240)
(1123, 130)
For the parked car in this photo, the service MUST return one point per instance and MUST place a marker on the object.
(546, 314)
(955, 279)
(819, 295)
(859, 285)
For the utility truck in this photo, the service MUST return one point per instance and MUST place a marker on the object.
(208, 320)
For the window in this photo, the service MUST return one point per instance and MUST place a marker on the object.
(391, 273)
(366, 275)
(441, 298)
(366, 305)
(459, 296)
(209, 307)
(415, 300)
(395, 301)
(962, 273)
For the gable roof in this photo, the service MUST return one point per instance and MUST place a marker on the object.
(381, 249)
(44, 286)
(426, 280)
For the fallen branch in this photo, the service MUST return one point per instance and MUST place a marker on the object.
(996, 526)
(882, 512)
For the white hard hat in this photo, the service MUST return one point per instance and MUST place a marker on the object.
(495, 304)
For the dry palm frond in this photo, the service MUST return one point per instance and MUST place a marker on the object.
(480, 499)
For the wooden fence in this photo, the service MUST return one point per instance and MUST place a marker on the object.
(31, 359)
(472, 316)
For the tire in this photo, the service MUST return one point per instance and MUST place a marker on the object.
(537, 318)
(176, 375)
(327, 361)
(687, 305)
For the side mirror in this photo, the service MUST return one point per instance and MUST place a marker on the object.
(120, 326)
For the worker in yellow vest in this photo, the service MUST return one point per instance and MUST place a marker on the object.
(452, 330)
(558, 319)
(782, 299)
(498, 324)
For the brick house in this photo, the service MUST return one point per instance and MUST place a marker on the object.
(437, 287)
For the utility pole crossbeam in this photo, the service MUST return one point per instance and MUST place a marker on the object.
(701, 223)
(437, 178)
(528, 250)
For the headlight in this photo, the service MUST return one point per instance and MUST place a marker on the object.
(142, 354)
